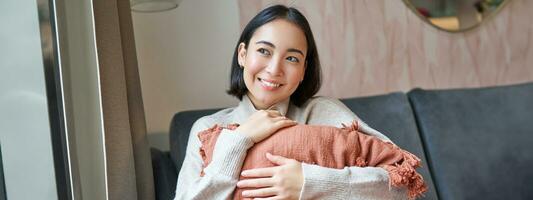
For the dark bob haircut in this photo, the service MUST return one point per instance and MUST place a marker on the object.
(312, 77)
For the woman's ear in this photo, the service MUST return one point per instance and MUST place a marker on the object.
(241, 56)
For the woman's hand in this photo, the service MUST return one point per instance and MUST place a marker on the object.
(264, 123)
(284, 181)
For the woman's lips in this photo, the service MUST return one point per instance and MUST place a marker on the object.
(268, 84)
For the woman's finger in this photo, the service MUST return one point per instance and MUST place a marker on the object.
(256, 182)
(261, 192)
(269, 198)
(284, 123)
(273, 113)
(278, 160)
(259, 172)
(279, 118)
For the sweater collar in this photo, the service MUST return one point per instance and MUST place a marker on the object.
(247, 108)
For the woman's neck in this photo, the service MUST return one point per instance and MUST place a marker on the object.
(258, 105)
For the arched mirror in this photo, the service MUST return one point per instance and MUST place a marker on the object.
(455, 15)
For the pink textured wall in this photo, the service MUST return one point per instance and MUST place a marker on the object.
(372, 47)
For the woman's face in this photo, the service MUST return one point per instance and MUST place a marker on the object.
(274, 62)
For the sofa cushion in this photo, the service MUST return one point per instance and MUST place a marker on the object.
(478, 141)
(391, 114)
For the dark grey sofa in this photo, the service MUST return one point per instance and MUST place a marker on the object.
(474, 143)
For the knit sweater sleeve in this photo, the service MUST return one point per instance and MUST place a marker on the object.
(349, 182)
(221, 175)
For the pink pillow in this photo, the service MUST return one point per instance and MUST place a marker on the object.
(327, 146)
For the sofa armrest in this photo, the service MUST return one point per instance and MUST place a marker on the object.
(165, 175)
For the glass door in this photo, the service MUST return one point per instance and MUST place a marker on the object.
(33, 143)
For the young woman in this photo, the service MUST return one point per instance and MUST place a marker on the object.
(275, 73)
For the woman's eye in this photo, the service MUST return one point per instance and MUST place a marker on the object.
(292, 59)
(263, 51)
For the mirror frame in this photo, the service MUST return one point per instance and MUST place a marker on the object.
(412, 8)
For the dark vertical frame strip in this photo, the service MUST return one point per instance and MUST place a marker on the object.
(3, 194)
(54, 92)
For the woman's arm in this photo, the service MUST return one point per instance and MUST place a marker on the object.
(221, 176)
(350, 182)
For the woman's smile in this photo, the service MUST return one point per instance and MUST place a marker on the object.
(269, 84)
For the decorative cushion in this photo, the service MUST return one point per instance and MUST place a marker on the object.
(327, 146)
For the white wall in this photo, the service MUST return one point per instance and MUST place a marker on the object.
(184, 60)
(25, 127)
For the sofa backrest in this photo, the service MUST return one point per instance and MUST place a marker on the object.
(392, 115)
(479, 142)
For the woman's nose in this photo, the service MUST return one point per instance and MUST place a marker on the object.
(274, 67)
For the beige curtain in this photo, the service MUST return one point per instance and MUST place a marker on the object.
(128, 162)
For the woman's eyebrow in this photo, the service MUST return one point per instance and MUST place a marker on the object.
(274, 46)
(296, 51)
(266, 42)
